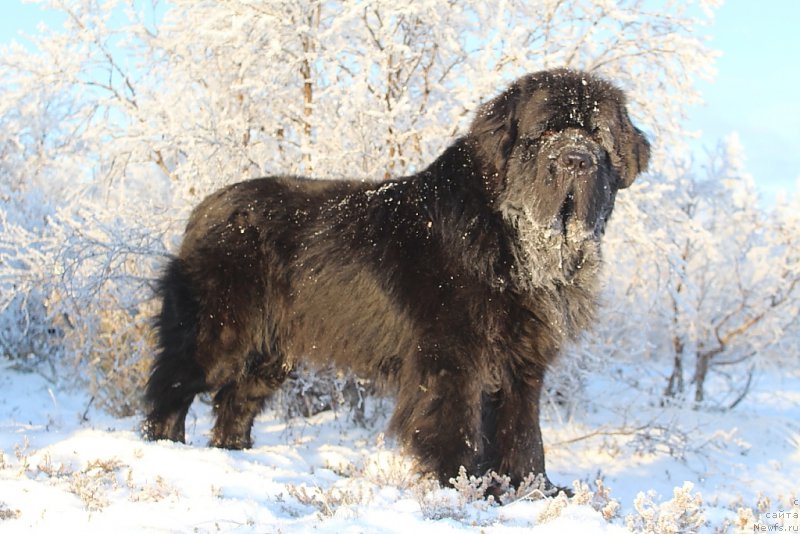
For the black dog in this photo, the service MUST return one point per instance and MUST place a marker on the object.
(459, 284)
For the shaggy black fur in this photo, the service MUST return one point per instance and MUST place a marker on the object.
(459, 285)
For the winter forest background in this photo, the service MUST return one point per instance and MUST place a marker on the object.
(131, 113)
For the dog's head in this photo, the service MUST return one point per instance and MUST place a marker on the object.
(558, 145)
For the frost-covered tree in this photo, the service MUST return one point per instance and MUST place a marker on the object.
(121, 120)
(735, 287)
(712, 274)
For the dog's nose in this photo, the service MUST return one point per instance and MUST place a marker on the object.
(574, 159)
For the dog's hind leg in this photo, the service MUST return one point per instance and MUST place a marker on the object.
(167, 416)
(175, 377)
(238, 403)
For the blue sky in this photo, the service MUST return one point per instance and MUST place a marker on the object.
(756, 91)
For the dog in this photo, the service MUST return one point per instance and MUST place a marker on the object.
(457, 286)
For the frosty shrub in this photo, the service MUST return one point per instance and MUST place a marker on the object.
(472, 494)
(7, 513)
(120, 359)
(27, 333)
(779, 515)
(745, 521)
(465, 504)
(100, 482)
(600, 499)
(473, 488)
(683, 514)
(95, 482)
(477, 494)
(84, 294)
(308, 392)
(105, 307)
(330, 500)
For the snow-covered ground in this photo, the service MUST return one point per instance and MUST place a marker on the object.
(63, 466)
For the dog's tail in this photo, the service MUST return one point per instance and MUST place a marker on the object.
(175, 374)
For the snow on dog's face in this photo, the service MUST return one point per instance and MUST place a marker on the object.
(562, 145)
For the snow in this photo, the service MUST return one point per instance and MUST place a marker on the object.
(101, 171)
(60, 469)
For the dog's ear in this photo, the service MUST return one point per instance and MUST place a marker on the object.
(635, 151)
(495, 128)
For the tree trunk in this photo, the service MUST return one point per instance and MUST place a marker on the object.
(309, 46)
(308, 99)
(700, 373)
(675, 384)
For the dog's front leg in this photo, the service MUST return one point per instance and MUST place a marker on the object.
(437, 418)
